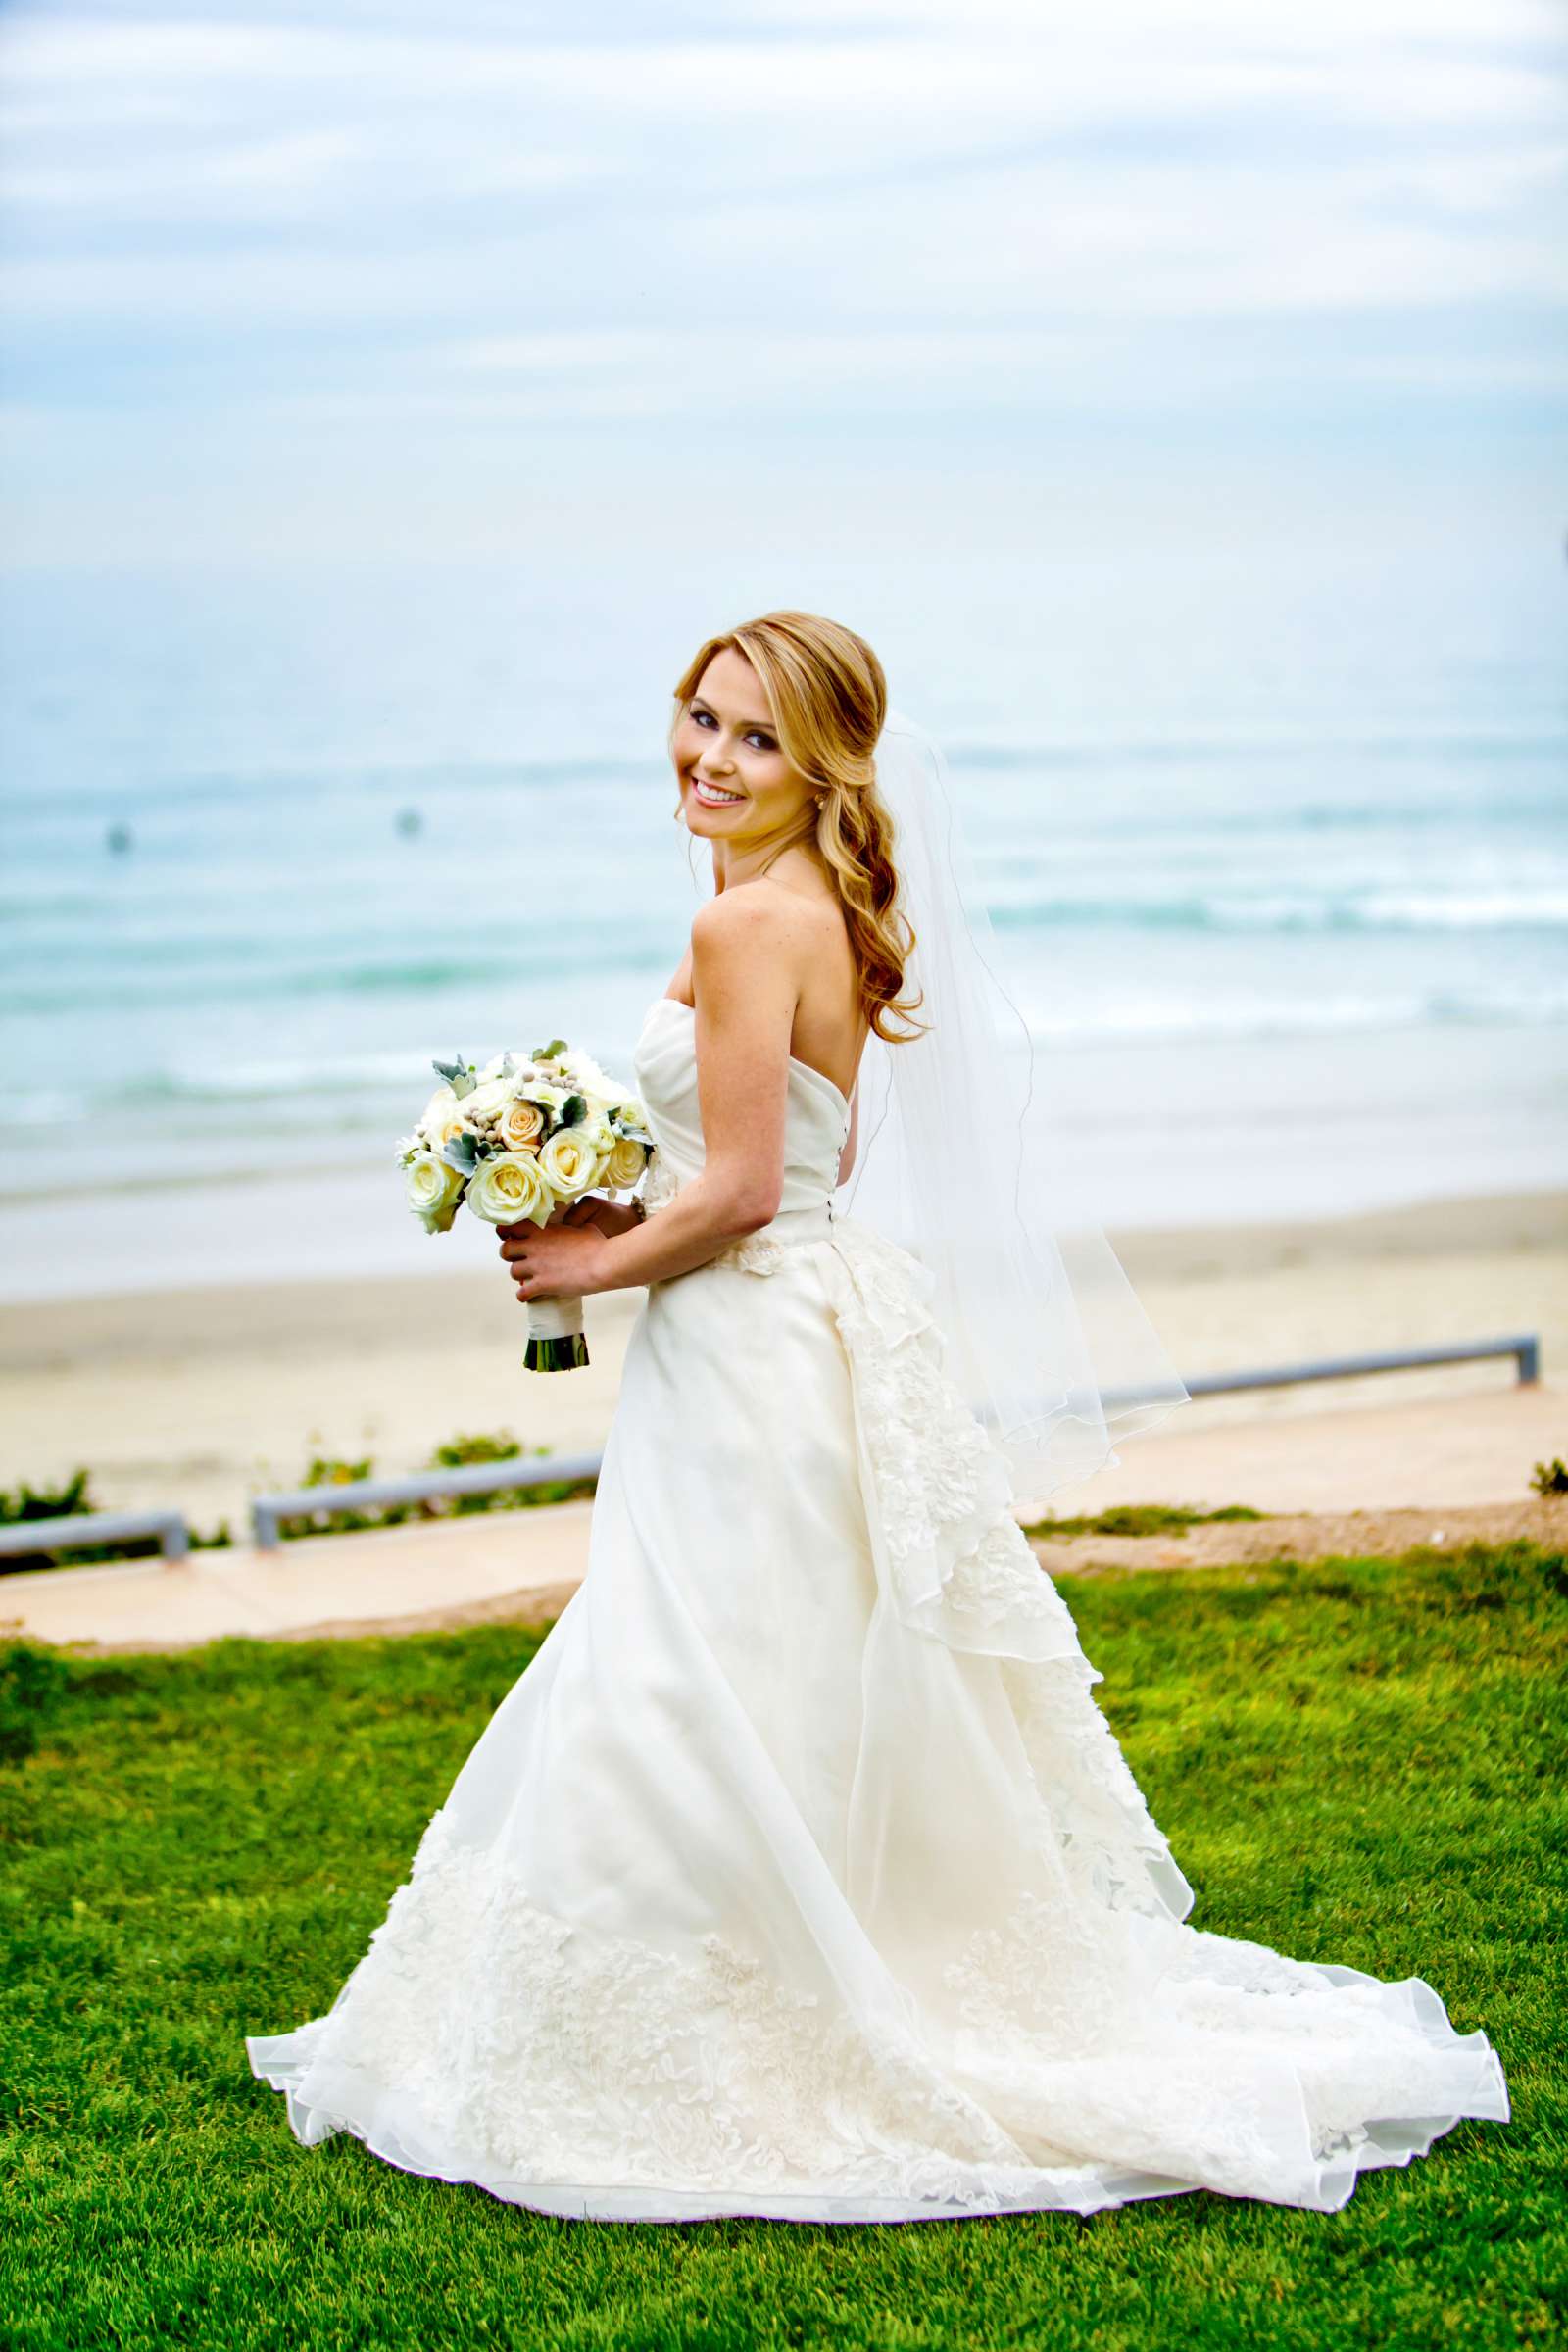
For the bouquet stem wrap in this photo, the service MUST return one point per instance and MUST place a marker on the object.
(554, 1336)
(556, 1341)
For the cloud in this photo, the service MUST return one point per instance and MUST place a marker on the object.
(240, 223)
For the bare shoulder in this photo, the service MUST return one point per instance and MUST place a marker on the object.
(754, 918)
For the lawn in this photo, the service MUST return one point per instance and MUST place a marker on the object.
(1358, 1761)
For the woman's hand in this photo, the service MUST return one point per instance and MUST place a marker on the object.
(610, 1217)
(553, 1261)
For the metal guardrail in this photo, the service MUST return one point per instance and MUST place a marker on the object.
(1523, 1346)
(490, 1478)
(479, 1478)
(23, 1536)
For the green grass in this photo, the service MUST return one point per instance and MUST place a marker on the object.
(1140, 1519)
(1355, 1761)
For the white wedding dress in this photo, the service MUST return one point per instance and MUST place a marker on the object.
(800, 1875)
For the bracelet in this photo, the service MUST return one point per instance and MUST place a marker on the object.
(639, 1208)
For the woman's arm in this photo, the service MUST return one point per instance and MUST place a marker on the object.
(746, 949)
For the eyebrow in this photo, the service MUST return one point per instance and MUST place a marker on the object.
(759, 726)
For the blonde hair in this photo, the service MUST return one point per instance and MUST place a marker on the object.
(828, 697)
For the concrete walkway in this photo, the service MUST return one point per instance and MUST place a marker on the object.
(1440, 1454)
(326, 1582)
(1433, 1456)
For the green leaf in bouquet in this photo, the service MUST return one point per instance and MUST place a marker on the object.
(458, 1075)
(460, 1152)
(556, 1044)
(574, 1110)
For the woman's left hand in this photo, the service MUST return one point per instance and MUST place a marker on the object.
(552, 1261)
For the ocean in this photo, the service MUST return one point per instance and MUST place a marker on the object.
(1280, 880)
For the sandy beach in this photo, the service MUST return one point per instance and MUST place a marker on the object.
(202, 1396)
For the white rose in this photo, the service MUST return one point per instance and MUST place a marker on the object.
(568, 1162)
(487, 1101)
(545, 1092)
(509, 1185)
(625, 1163)
(433, 1187)
(596, 1132)
(442, 1118)
(600, 1139)
(588, 1077)
(630, 1113)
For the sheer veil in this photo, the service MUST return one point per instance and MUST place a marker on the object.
(957, 1162)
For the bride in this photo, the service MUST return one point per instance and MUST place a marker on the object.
(800, 1875)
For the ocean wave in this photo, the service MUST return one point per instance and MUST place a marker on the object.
(1241, 1019)
(1298, 910)
(1242, 750)
(380, 1079)
(385, 787)
(555, 959)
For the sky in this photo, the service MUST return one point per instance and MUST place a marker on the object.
(294, 282)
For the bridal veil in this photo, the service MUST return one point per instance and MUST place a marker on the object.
(960, 1160)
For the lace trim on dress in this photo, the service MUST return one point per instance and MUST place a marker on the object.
(554, 2052)
(485, 2038)
(962, 1567)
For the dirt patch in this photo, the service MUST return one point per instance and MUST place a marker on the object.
(1309, 1536)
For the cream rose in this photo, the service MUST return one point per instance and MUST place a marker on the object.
(442, 1118)
(596, 1132)
(568, 1162)
(520, 1125)
(586, 1075)
(546, 1092)
(630, 1113)
(509, 1185)
(626, 1162)
(434, 1187)
(484, 1102)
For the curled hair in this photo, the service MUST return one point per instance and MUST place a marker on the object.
(829, 698)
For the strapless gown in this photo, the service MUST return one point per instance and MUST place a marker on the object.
(799, 1873)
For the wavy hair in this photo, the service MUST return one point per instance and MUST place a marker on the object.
(828, 697)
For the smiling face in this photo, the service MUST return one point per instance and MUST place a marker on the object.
(736, 785)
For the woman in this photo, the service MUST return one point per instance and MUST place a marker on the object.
(800, 1875)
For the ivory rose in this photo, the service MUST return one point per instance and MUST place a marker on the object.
(509, 1185)
(567, 1161)
(442, 1118)
(625, 1163)
(487, 1101)
(433, 1190)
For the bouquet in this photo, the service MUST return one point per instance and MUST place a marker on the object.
(525, 1137)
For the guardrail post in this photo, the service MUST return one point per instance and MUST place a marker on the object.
(86, 1529)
